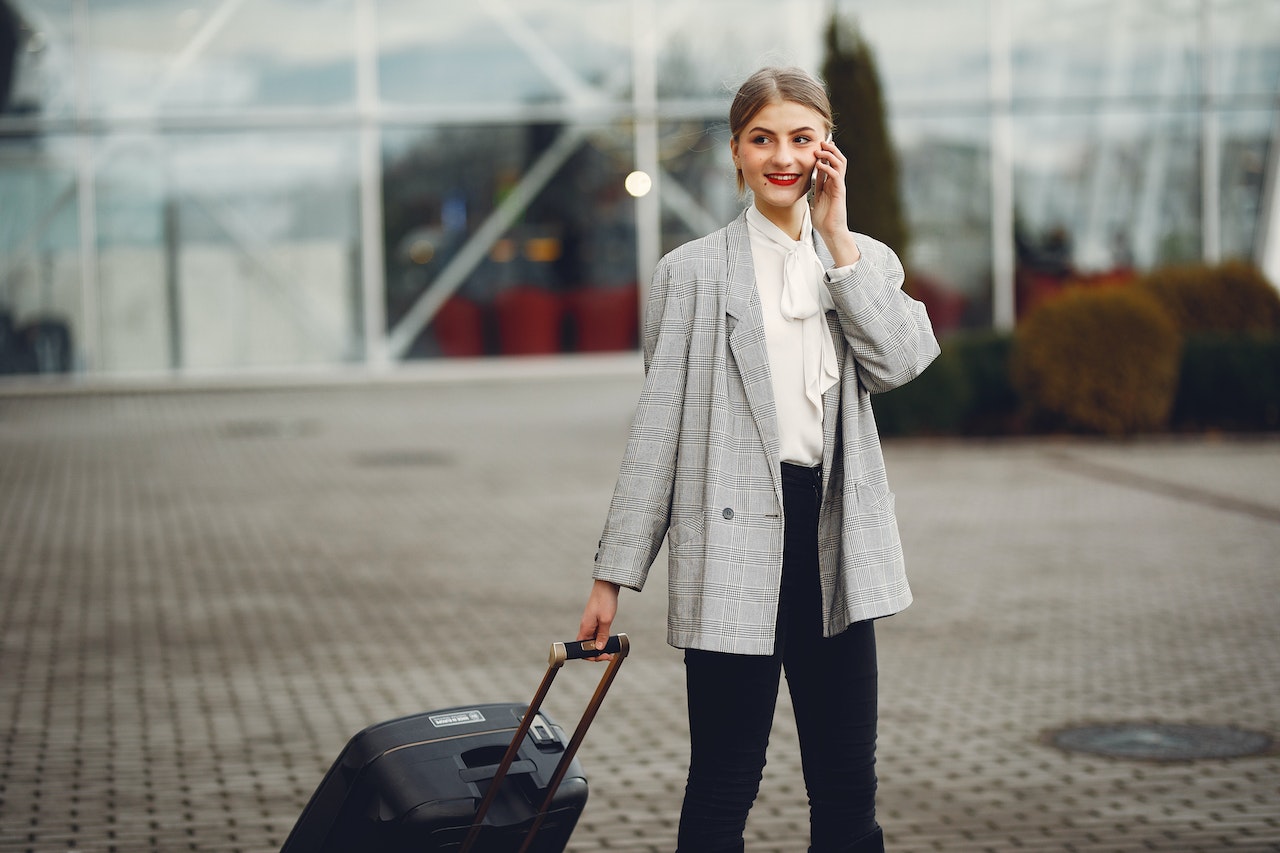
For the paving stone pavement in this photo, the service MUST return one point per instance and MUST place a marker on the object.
(203, 593)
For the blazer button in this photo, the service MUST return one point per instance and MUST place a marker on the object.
(728, 513)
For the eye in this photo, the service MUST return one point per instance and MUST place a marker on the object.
(760, 140)
(803, 140)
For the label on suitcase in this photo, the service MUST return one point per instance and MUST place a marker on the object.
(456, 718)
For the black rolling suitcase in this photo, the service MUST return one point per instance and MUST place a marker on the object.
(474, 779)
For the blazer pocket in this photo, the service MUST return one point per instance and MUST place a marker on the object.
(684, 533)
(874, 500)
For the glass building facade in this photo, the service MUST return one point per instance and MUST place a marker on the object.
(227, 186)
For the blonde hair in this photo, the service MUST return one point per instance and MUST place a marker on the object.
(776, 85)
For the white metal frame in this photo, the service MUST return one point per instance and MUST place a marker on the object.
(1003, 261)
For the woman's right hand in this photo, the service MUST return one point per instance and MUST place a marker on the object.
(597, 618)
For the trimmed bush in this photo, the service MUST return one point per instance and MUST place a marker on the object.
(935, 402)
(1230, 297)
(1101, 360)
(965, 391)
(1194, 347)
(1228, 315)
(1229, 382)
(993, 401)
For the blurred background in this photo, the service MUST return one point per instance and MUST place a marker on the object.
(218, 187)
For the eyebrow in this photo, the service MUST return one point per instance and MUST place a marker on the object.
(769, 132)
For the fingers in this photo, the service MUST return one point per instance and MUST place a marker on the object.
(597, 618)
(832, 156)
(587, 630)
(831, 165)
(595, 628)
(602, 638)
(603, 626)
(592, 628)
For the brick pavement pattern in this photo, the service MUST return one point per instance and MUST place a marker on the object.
(203, 594)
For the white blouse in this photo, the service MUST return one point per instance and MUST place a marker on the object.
(802, 360)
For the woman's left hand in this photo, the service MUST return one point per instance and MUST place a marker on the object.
(830, 205)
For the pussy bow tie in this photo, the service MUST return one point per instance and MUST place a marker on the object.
(805, 299)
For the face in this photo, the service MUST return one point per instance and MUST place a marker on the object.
(777, 151)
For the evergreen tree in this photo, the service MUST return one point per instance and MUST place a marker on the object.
(862, 132)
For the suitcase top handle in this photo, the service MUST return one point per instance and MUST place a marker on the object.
(618, 644)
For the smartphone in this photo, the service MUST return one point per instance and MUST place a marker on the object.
(813, 179)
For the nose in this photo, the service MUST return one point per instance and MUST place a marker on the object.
(785, 153)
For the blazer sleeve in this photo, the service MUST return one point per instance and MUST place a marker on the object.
(888, 332)
(640, 511)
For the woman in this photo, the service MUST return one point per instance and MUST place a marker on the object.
(755, 453)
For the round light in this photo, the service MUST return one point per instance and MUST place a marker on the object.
(422, 251)
(638, 184)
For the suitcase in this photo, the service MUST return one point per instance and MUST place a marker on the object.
(474, 779)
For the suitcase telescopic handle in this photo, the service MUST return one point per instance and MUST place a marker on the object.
(618, 646)
(582, 649)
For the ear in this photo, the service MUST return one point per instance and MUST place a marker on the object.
(733, 147)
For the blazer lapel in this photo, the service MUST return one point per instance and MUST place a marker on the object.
(745, 320)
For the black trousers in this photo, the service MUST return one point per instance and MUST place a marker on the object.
(833, 685)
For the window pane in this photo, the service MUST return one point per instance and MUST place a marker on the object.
(930, 53)
(561, 277)
(1247, 138)
(37, 62)
(1102, 194)
(706, 49)
(945, 166)
(41, 322)
(1246, 59)
(533, 51)
(699, 193)
(1068, 50)
(148, 55)
(227, 250)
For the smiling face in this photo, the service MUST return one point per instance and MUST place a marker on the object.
(776, 152)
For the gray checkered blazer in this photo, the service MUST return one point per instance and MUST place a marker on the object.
(702, 466)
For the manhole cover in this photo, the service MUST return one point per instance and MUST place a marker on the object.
(1161, 742)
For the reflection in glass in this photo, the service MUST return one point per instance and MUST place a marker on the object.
(699, 194)
(227, 251)
(1246, 56)
(1104, 197)
(1067, 50)
(41, 322)
(528, 52)
(945, 167)
(561, 278)
(929, 54)
(37, 60)
(706, 49)
(152, 55)
(1247, 140)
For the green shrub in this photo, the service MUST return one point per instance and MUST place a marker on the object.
(935, 402)
(965, 391)
(1103, 360)
(1230, 297)
(1194, 346)
(993, 401)
(1230, 382)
